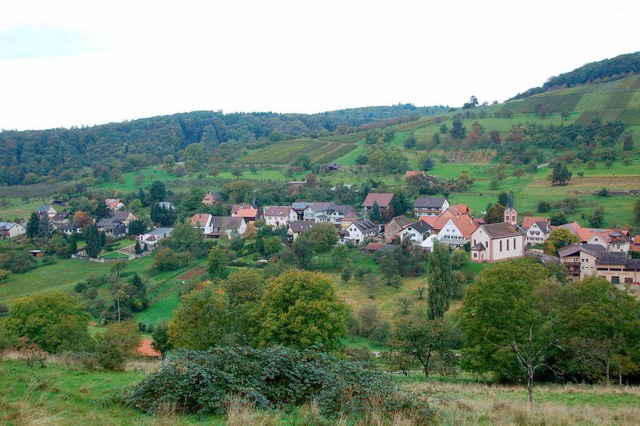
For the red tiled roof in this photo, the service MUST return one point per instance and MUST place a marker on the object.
(247, 213)
(528, 221)
(412, 173)
(145, 349)
(201, 218)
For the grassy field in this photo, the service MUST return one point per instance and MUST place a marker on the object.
(61, 275)
(65, 394)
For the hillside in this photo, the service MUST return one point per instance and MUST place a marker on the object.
(30, 157)
(596, 72)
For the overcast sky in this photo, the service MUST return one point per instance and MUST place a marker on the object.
(73, 63)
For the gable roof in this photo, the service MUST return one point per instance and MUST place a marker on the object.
(543, 225)
(383, 199)
(457, 209)
(501, 230)
(429, 202)
(145, 349)
(592, 249)
(527, 221)
(123, 215)
(201, 218)
(298, 226)
(237, 207)
(277, 211)
(212, 197)
(365, 226)
(401, 221)
(247, 213)
(421, 226)
(112, 203)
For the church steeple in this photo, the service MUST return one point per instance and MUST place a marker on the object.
(510, 212)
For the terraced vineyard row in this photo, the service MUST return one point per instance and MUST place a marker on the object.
(628, 116)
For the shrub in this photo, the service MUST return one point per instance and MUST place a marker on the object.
(31, 353)
(270, 378)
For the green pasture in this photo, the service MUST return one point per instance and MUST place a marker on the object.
(63, 274)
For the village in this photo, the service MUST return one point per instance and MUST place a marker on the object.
(606, 253)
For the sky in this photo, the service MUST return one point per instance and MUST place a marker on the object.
(79, 63)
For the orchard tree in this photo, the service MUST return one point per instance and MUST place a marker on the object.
(506, 325)
(300, 309)
(560, 174)
(116, 345)
(160, 338)
(423, 339)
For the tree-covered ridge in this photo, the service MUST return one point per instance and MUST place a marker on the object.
(594, 72)
(63, 153)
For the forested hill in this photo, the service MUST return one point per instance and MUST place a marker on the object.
(595, 72)
(28, 156)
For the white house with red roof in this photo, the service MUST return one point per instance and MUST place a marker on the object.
(276, 216)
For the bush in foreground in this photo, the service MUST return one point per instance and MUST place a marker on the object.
(271, 378)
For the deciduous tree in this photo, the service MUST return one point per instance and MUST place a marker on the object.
(300, 309)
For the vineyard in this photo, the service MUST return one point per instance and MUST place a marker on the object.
(286, 152)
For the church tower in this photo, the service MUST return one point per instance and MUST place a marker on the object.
(510, 212)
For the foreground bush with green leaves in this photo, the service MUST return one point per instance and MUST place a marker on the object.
(271, 378)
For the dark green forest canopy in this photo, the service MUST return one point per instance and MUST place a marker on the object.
(62, 153)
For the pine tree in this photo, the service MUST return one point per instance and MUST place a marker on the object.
(440, 281)
(32, 225)
(376, 215)
(137, 248)
(427, 164)
(92, 238)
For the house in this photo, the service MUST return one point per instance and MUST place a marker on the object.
(202, 221)
(60, 218)
(495, 242)
(212, 198)
(360, 230)
(46, 209)
(614, 240)
(112, 227)
(125, 216)
(114, 204)
(580, 259)
(415, 232)
(299, 227)
(329, 212)
(583, 260)
(635, 244)
(527, 221)
(537, 233)
(69, 228)
(152, 237)
(452, 230)
(10, 230)
(300, 207)
(276, 216)
(430, 206)
(510, 212)
(248, 215)
(384, 202)
(225, 226)
(396, 225)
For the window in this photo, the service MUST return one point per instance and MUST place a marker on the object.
(628, 280)
(475, 255)
(615, 279)
(507, 245)
(500, 245)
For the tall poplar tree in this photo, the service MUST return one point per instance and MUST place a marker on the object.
(440, 281)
